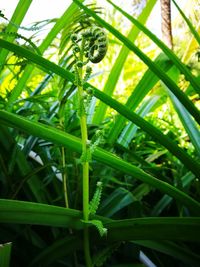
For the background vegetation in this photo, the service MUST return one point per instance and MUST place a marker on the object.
(143, 125)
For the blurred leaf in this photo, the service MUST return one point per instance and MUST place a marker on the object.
(114, 75)
(191, 27)
(67, 17)
(164, 48)
(116, 201)
(160, 73)
(166, 200)
(130, 130)
(155, 155)
(142, 88)
(56, 251)
(140, 191)
(182, 229)
(172, 249)
(187, 121)
(17, 158)
(5, 252)
(17, 17)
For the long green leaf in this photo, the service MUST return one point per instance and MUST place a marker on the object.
(177, 62)
(191, 27)
(5, 252)
(42, 62)
(185, 118)
(111, 102)
(66, 17)
(13, 211)
(151, 130)
(161, 74)
(188, 123)
(166, 200)
(172, 249)
(130, 130)
(57, 250)
(34, 183)
(74, 143)
(116, 201)
(184, 229)
(143, 87)
(17, 17)
(119, 63)
(67, 245)
(123, 110)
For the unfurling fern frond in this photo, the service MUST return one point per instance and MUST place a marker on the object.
(97, 44)
(88, 72)
(94, 203)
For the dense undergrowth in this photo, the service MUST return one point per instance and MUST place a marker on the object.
(99, 161)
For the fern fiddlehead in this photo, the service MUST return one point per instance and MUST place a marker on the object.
(97, 44)
(90, 45)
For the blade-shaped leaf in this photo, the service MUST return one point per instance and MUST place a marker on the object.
(5, 252)
(166, 200)
(172, 249)
(130, 130)
(123, 110)
(61, 22)
(74, 143)
(185, 118)
(119, 199)
(13, 211)
(164, 48)
(17, 17)
(34, 183)
(143, 87)
(57, 250)
(160, 73)
(184, 229)
(114, 75)
(191, 27)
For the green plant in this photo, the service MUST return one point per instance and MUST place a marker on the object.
(5, 251)
(92, 47)
(67, 137)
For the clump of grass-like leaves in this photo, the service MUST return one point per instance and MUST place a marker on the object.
(67, 138)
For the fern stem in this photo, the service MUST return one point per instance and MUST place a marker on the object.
(88, 260)
(86, 191)
(85, 163)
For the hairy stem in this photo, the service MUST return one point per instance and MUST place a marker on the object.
(85, 163)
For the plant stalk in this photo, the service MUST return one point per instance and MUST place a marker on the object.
(85, 162)
(64, 176)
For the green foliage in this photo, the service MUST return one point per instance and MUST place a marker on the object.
(102, 256)
(97, 44)
(99, 226)
(5, 251)
(123, 133)
(94, 203)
